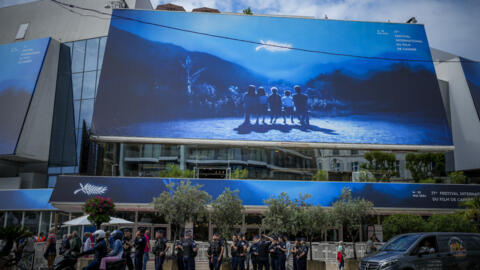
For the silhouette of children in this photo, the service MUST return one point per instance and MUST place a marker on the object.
(300, 101)
(262, 108)
(250, 104)
(275, 102)
(287, 103)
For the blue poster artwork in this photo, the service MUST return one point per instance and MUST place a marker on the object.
(20, 66)
(259, 78)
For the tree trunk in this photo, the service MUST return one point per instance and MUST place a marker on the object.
(311, 253)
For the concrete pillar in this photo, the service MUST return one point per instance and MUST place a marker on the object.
(340, 233)
(182, 157)
(121, 159)
(23, 218)
(243, 229)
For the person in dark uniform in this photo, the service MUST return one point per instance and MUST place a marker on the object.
(179, 253)
(215, 252)
(295, 248)
(282, 253)
(139, 244)
(242, 250)
(190, 250)
(263, 252)
(254, 252)
(160, 249)
(301, 105)
(247, 255)
(235, 253)
(127, 249)
(274, 253)
(302, 255)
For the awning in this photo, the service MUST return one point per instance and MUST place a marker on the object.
(75, 190)
(25, 200)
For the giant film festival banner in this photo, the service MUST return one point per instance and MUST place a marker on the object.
(20, 65)
(257, 78)
(135, 190)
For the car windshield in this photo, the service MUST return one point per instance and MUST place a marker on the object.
(400, 243)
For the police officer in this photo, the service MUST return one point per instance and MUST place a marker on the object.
(160, 249)
(235, 252)
(215, 252)
(247, 254)
(282, 253)
(190, 250)
(139, 244)
(242, 249)
(274, 253)
(302, 255)
(254, 252)
(263, 253)
(295, 248)
(179, 252)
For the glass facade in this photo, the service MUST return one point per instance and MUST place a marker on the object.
(151, 160)
(87, 58)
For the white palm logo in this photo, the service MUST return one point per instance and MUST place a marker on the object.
(90, 189)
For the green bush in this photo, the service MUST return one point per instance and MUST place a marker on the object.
(239, 174)
(174, 171)
(457, 178)
(402, 223)
(321, 175)
(455, 222)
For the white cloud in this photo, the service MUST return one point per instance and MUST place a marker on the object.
(452, 26)
(273, 46)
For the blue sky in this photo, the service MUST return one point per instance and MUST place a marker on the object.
(357, 38)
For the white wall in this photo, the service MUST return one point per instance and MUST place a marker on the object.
(464, 119)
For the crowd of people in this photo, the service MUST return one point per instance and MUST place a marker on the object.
(258, 105)
(263, 253)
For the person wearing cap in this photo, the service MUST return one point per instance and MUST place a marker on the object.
(190, 249)
(263, 253)
(242, 249)
(254, 252)
(302, 255)
(179, 252)
(274, 253)
(250, 104)
(160, 249)
(234, 250)
(215, 252)
(301, 105)
(139, 244)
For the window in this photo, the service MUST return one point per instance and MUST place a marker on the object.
(22, 31)
(91, 54)
(78, 57)
(336, 152)
(31, 221)
(397, 166)
(355, 166)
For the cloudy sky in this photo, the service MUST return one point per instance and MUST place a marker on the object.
(451, 25)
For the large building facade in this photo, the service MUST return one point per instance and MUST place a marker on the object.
(74, 62)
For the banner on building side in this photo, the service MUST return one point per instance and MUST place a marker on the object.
(472, 75)
(77, 189)
(20, 66)
(256, 78)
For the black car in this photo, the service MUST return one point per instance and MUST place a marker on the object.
(421, 251)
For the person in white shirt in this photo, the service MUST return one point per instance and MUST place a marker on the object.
(287, 103)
